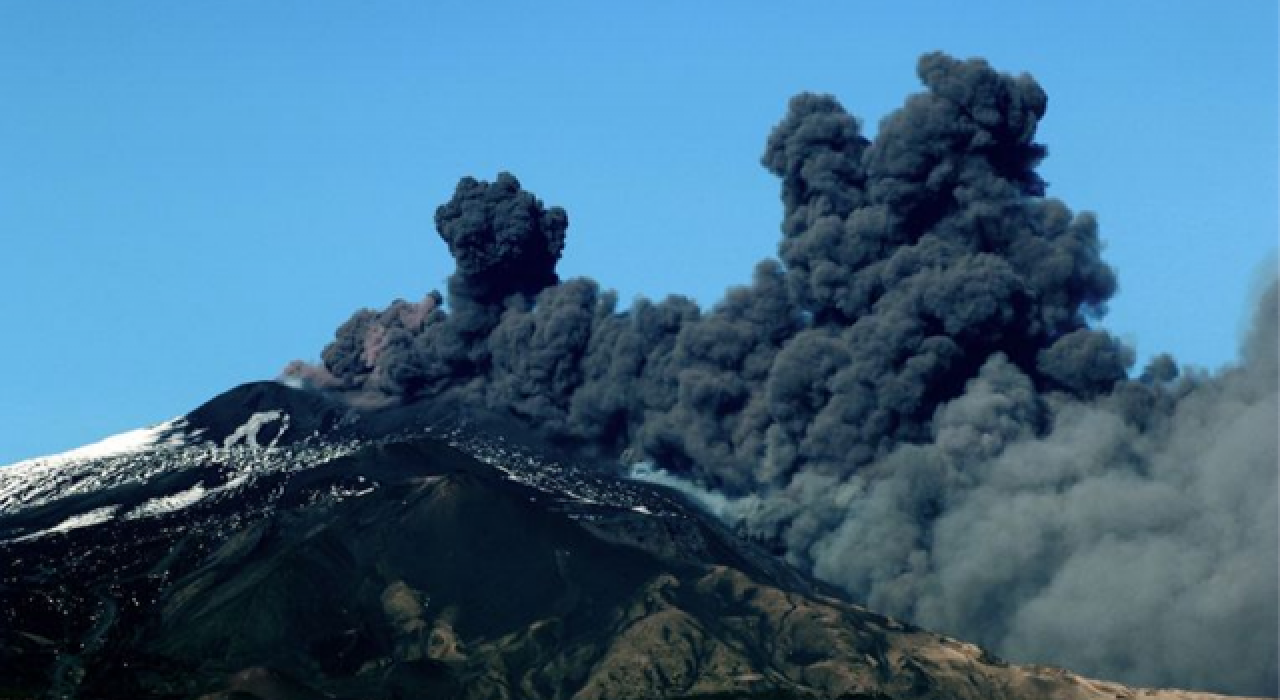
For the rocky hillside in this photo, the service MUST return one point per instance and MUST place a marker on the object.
(261, 547)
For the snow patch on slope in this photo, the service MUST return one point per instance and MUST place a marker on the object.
(166, 434)
(34, 481)
(170, 503)
(247, 434)
(96, 516)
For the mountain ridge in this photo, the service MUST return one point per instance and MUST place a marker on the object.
(271, 546)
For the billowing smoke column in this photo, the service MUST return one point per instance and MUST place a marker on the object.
(910, 402)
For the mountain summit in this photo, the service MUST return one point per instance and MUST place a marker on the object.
(268, 545)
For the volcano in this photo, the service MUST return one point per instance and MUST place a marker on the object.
(270, 545)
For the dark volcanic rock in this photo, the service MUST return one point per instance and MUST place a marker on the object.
(308, 414)
(267, 548)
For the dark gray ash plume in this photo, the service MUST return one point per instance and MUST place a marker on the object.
(911, 401)
(504, 241)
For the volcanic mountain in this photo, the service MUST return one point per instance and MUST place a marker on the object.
(271, 545)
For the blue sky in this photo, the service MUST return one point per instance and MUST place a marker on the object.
(192, 194)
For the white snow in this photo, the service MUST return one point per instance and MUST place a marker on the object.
(96, 516)
(247, 434)
(342, 493)
(140, 456)
(124, 443)
(169, 504)
(35, 481)
(234, 483)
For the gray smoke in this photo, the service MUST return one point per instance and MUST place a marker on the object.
(910, 401)
(1135, 537)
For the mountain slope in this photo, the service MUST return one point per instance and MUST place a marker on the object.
(267, 546)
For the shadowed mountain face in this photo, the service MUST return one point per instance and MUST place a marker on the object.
(268, 546)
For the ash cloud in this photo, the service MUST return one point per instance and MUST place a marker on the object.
(1135, 537)
(910, 401)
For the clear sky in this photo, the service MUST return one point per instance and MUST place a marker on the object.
(192, 194)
